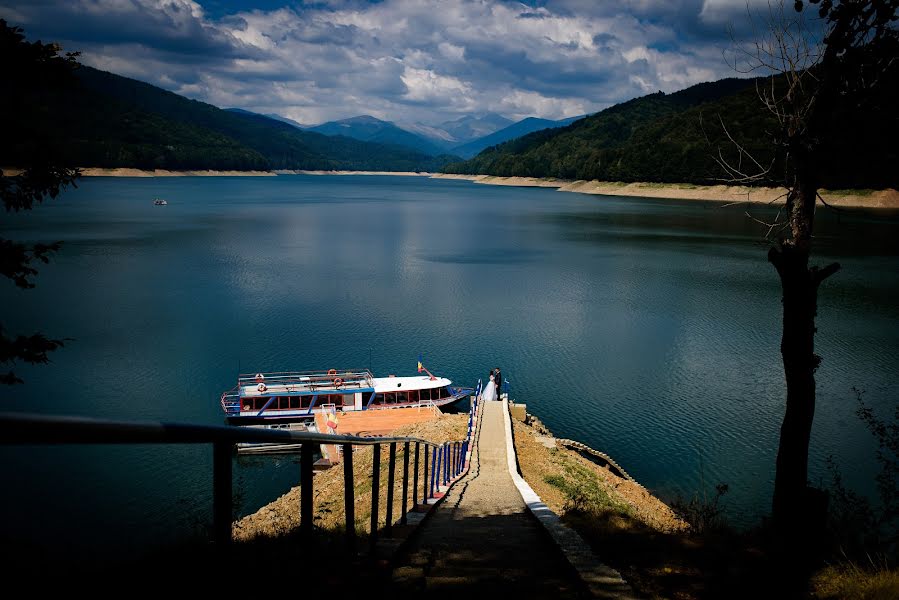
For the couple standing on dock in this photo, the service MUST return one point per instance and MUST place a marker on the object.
(492, 387)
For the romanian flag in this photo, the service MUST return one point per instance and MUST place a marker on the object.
(420, 366)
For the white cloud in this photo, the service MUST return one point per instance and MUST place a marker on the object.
(404, 60)
(519, 104)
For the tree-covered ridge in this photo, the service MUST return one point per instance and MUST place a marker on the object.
(677, 138)
(112, 121)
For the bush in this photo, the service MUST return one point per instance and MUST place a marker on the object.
(703, 515)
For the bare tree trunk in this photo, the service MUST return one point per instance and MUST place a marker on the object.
(794, 507)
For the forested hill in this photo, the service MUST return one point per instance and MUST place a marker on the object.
(676, 137)
(105, 120)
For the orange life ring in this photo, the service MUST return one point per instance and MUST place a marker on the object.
(261, 387)
(338, 382)
(332, 372)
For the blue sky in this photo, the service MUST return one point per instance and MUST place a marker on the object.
(408, 61)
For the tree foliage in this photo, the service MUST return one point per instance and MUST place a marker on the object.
(31, 70)
(106, 120)
(676, 138)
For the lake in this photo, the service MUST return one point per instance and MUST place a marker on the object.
(648, 329)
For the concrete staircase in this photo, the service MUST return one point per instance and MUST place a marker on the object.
(484, 539)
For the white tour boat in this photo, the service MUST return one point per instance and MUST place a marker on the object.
(290, 400)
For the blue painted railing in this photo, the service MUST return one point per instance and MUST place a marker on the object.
(448, 460)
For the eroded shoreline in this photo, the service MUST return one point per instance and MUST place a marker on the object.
(888, 198)
(879, 199)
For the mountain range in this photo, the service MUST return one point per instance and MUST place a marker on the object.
(370, 129)
(464, 137)
(106, 120)
(515, 130)
(680, 137)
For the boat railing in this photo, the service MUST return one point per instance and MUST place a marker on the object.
(448, 461)
(231, 402)
(428, 404)
(309, 380)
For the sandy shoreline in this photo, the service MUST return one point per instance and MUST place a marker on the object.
(400, 173)
(888, 198)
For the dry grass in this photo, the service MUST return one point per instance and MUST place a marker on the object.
(282, 516)
(851, 582)
(565, 480)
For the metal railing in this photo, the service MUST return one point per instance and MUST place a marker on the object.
(448, 460)
(300, 379)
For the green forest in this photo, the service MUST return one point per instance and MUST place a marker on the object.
(104, 120)
(676, 138)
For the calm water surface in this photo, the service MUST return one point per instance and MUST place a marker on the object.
(648, 329)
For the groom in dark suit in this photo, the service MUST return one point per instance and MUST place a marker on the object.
(498, 378)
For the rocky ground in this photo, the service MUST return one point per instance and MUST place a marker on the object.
(628, 528)
(560, 476)
(282, 516)
(564, 479)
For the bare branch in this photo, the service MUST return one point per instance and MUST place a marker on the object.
(830, 206)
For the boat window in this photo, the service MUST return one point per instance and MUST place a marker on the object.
(389, 397)
(402, 397)
(413, 395)
(442, 392)
(294, 402)
(349, 399)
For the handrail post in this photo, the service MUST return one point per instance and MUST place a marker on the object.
(465, 446)
(222, 502)
(438, 470)
(451, 463)
(306, 488)
(415, 477)
(424, 484)
(349, 496)
(433, 471)
(405, 483)
(391, 479)
(375, 492)
(462, 453)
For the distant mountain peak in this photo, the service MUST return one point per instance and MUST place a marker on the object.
(371, 129)
(364, 119)
(515, 130)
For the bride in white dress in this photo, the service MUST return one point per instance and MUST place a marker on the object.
(489, 391)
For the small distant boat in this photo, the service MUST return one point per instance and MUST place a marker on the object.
(160, 202)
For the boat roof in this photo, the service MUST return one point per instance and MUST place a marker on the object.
(307, 383)
(418, 382)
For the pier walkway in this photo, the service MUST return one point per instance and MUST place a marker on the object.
(482, 539)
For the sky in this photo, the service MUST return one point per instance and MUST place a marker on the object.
(407, 61)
